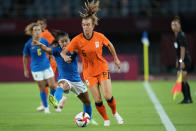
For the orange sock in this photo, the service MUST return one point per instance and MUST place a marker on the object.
(102, 111)
(46, 91)
(112, 104)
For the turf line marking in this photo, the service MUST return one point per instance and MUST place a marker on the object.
(159, 108)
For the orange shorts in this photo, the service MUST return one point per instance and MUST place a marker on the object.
(91, 81)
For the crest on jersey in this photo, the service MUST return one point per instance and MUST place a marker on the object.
(97, 44)
(87, 82)
(176, 45)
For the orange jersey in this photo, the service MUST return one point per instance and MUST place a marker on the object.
(91, 53)
(48, 36)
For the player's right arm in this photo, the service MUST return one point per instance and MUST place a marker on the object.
(26, 53)
(65, 57)
(71, 47)
(26, 72)
(42, 46)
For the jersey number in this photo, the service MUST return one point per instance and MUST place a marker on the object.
(39, 52)
(83, 53)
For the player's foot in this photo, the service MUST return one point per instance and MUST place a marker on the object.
(62, 101)
(189, 101)
(93, 122)
(46, 110)
(58, 109)
(107, 123)
(118, 118)
(40, 108)
(53, 101)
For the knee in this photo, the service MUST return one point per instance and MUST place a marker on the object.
(42, 89)
(98, 100)
(107, 96)
(87, 102)
(52, 85)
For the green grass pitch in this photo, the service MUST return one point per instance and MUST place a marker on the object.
(18, 102)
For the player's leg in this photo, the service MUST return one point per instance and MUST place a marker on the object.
(84, 97)
(87, 107)
(107, 93)
(52, 85)
(49, 77)
(39, 78)
(185, 89)
(43, 95)
(63, 86)
(58, 100)
(95, 92)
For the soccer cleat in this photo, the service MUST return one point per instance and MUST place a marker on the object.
(189, 101)
(118, 118)
(62, 101)
(46, 110)
(53, 101)
(107, 123)
(93, 122)
(40, 108)
(58, 109)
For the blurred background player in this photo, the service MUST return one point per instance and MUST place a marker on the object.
(69, 77)
(95, 69)
(183, 61)
(50, 38)
(40, 65)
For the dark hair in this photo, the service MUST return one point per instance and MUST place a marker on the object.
(62, 34)
(57, 35)
(177, 18)
(90, 11)
(42, 19)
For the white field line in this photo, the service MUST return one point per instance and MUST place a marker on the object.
(159, 108)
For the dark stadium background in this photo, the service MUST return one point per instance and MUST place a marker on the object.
(122, 21)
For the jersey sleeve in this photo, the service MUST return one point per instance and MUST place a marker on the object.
(182, 39)
(54, 51)
(105, 40)
(26, 50)
(72, 46)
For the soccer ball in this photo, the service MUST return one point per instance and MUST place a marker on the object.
(82, 119)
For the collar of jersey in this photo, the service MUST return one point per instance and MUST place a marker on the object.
(89, 38)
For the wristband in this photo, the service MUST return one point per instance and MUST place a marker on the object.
(180, 60)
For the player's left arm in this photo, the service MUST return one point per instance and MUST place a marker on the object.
(182, 50)
(113, 52)
(182, 55)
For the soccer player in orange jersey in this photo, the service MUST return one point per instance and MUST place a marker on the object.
(95, 68)
(50, 38)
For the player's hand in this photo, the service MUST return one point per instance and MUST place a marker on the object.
(117, 62)
(67, 58)
(182, 65)
(26, 73)
(176, 63)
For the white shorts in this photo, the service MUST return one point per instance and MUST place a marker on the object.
(43, 75)
(75, 87)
